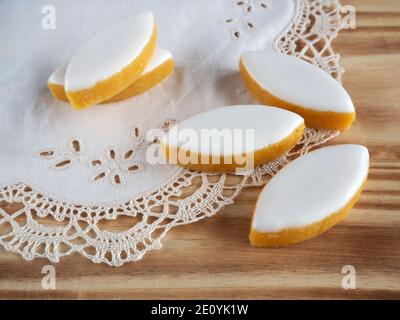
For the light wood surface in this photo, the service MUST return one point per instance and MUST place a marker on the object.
(213, 258)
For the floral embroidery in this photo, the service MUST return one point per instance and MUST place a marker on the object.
(63, 160)
(114, 166)
(243, 21)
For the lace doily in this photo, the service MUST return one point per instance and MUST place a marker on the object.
(185, 198)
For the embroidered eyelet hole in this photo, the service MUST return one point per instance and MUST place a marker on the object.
(133, 168)
(263, 5)
(168, 124)
(46, 154)
(136, 132)
(236, 34)
(239, 3)
(96, 163)
(62, 164)
(76, 145)
(249, 8)
(228, 20)
(117, 179)
(99, 176)
(128, 154)
(112, 154)
(250, 24)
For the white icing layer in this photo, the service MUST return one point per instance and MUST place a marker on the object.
(57, 77)
(160, 56)
(311, 188)
(267, 125)
(109, 51)
(297, 81)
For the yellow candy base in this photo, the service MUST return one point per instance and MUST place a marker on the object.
(313, 119)
(145, 82)
(290, 236)
(57, 91)
(218, 164)
(142, 84)
(107, 88)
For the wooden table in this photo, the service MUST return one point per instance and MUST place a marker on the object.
(213, 258)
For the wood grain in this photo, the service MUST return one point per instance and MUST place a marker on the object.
(213, 258)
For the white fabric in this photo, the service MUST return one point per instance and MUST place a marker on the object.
(206, 56)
